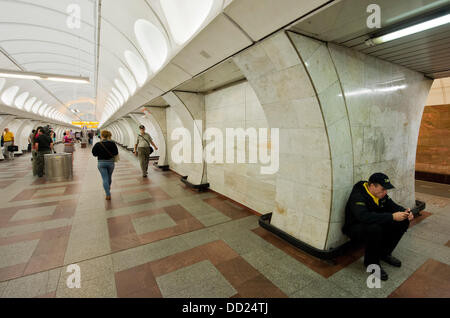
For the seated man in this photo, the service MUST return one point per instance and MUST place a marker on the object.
(371, 217)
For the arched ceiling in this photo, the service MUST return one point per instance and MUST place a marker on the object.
(37, 36)
(118, 45)
(136, 50)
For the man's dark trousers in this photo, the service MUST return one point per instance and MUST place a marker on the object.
(379, 240)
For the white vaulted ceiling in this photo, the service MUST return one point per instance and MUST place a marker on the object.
(36, 37)
(135, 51)
(137, 43)
(132, 51)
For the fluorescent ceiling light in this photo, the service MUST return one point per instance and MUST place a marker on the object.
(43, 76)
(410, 30)
(69, 80)
(21, 76)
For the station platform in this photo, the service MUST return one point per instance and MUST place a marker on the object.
(159, 238)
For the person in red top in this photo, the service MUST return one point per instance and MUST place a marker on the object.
(67, 138)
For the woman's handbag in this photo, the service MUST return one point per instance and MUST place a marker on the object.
(116, 157)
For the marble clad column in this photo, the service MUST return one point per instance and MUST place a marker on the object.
(134, 130)
(157, 117)
(190, 108)
(385, 103)
(342, 116)
(117, 133)
(129, 140)
(22, 136)
(319, 65)
(304, 181)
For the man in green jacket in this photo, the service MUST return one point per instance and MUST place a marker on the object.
(373, 218)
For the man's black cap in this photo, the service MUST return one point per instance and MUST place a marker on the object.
(382, 180)
(141, 127)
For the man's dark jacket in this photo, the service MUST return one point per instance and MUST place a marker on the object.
(361, 208)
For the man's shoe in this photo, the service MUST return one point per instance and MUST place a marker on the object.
(383, 275)
(144, 176)
(391, 260)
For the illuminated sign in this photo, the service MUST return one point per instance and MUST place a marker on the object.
(87, 124)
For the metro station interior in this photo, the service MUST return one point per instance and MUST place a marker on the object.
(326, 94)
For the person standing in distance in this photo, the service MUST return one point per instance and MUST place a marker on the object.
(44, 145)
(8, 140)
(142, 149)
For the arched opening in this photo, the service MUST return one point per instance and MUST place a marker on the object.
(152, 42)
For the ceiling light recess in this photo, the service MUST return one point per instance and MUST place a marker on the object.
(430, 24)
(43, 76)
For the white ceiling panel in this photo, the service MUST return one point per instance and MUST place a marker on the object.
(221, 39)
(260, 18)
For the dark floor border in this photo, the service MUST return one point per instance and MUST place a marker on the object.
(199, 187)
(264, 222)
(163, 168)
(433, 177)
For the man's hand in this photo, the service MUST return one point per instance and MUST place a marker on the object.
(400, 216)
(156, 148)
(135, 153)
(410, 214)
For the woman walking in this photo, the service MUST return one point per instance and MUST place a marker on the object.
(105, 150)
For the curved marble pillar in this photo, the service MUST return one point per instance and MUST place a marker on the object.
(385, 104)
(60, 133)
(124, 133)
(304, 181)
(128, 141)
(22, 135)
(190, 108)
(157, 117)
(319, 65)
(14, 127)
(116, 136)
(116, 133)
(134, 130)
(342, 115)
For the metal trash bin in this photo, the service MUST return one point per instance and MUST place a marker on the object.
(58, 166)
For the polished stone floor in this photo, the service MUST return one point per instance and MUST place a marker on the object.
(157, 238)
